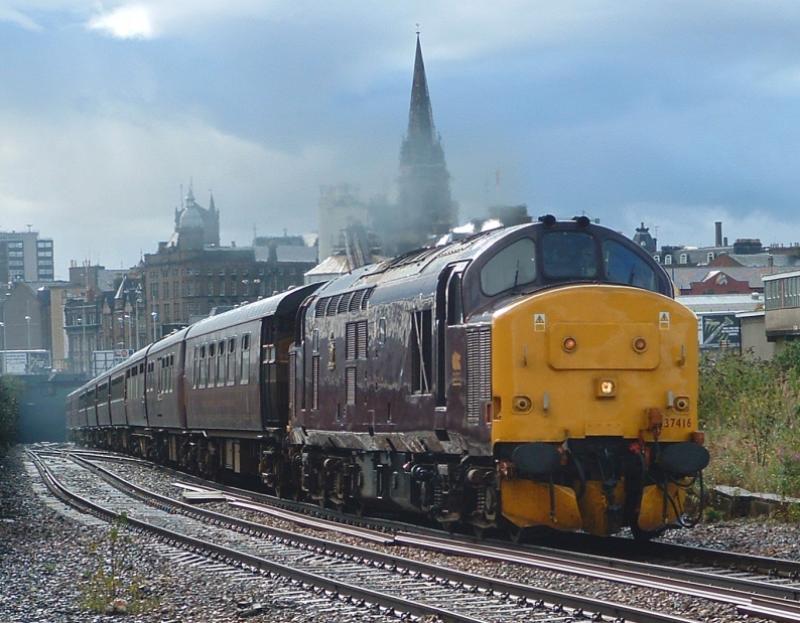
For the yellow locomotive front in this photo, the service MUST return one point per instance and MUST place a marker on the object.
(593, 404)
(594, 392)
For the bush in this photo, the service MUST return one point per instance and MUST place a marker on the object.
(9, 411)
(114, 586)
(750, 409)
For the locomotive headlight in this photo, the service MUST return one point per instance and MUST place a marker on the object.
(569, 344)
(640, 344)
(606, 388)
(522, 404)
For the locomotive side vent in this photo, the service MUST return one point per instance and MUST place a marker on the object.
(479, 372)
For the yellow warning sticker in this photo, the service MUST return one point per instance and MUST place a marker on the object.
(539, 322)
(663, 320)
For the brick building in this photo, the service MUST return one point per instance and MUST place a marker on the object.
(191, 276)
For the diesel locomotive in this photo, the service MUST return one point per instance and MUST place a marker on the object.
(540, 375)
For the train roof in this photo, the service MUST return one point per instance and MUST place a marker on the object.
(280, 303)
(170, 340)
(414, 263)
(416, 272)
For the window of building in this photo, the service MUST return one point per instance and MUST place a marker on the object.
(683, 259)
(668, 260)
(657, 258)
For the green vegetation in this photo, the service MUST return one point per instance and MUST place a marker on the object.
(9, 411)
(749, 410)
(114, 586)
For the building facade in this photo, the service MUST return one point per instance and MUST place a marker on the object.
(782, 308)
(191, 276)
(24, 256)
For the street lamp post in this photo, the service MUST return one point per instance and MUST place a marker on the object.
(155, 319)
(127, 317)
(28, 330)
(3, 334)
(122, 331)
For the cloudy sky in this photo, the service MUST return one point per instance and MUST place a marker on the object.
(675, 113)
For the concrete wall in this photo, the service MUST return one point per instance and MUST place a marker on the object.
(754, 338)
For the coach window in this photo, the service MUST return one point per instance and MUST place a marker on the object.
(212, 370)
(230, 364)
(221, 363)
(201, 367)
(171, 377)
(510, 267)
(569, 255)
(245, 359)
(623, 265)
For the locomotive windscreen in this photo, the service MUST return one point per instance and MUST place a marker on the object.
(624, 266)
(569, 255)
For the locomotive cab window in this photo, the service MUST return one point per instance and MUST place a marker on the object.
(569, 255)
(421, 352)
(623, 265)
(510, 267)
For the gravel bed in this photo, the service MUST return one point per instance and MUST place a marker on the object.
(760, 536)
(48, 552)
(689, 607)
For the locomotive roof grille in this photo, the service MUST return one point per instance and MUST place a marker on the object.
(343, 303)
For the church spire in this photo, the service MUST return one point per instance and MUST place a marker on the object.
(425, 208)
(211, 206)
(420, 114)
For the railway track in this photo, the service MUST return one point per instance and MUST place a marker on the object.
(758, 586)
(341, 572)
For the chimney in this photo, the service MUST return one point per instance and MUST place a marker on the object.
(725, 241)
(718, 232)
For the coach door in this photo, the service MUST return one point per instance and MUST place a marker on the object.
(448, 313)
(268, 374)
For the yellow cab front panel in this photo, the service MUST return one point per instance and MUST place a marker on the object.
(595, 366)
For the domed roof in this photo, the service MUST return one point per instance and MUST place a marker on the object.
(191, 218)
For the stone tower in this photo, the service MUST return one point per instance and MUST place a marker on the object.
(425, 208)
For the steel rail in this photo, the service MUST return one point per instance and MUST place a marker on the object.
(737, 591)
(388, 561)
(336, 588)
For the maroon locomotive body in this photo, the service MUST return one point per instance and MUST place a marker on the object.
(376, 388)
